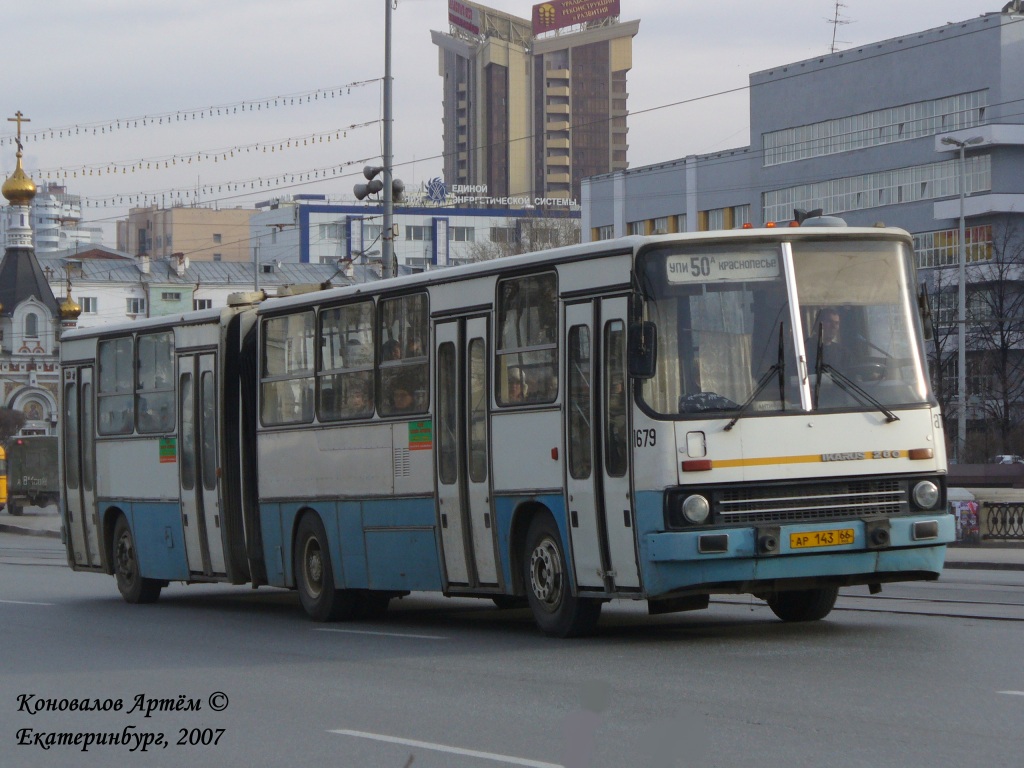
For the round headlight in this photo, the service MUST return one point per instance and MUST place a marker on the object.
(926, 494)
(696, 509)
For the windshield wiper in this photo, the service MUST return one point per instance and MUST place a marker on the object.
(778, 368)
(845, 383)
(848, 385)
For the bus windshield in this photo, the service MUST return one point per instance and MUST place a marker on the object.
(729, 338)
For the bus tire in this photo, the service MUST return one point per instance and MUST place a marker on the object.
(134, 588)
(803, 604)
(314, 576)
(556, 610)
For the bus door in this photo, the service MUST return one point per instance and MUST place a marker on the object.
(461, 429)
(601, 520)
(80, 466)
(197, 463)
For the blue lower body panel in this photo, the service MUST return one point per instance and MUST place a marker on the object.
(381, 544)
(159, 540)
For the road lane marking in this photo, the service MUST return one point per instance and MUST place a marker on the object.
(23, 602)
(449, 749)
(383, 634)
(1012, 693)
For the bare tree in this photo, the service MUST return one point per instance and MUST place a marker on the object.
(532, 234)
(995, 331)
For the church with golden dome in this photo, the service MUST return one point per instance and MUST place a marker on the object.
(31, 317)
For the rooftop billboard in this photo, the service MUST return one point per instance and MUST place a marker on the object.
(556, 14)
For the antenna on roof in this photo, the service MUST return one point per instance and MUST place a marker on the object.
(837, 22)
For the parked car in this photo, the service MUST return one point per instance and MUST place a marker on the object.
(1007, 458)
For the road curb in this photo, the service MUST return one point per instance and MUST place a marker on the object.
(982, 566)
(16, 529)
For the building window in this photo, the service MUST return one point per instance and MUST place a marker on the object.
(170, 296)
(31, 325)
(942, 248)
(636, 228)
(870, 129)
(681, 222)
(661, 225)
(89, 305)
(901, 185)
(503, 234)
(136, 306)
(462, 234)
(202, 303)
(413, 232)
(607, 232)
(217, 256)
(216, 237)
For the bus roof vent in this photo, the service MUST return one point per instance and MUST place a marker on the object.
(823, 221)
(245, 298)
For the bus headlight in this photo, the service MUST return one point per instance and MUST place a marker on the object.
(926, 494)
(696, 509)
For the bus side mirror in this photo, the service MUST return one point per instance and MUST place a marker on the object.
(642, 349)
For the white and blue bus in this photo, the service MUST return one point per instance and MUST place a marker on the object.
(650, 418)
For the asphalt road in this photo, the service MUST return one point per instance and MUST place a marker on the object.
(921, 675)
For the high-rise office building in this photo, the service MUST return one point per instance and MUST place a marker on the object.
(532, 107)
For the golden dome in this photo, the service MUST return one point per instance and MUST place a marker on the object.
(19, 189)
(69, 308)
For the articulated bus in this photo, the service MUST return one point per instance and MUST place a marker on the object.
(650, 418)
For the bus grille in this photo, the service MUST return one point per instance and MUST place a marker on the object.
(813, 501)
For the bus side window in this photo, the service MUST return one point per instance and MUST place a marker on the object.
(345, 368)
(286, 392)
(526, 340)
(404, 364)
(116, 386)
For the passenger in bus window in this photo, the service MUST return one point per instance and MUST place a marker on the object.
(517, 386)
(413, 349)
(401, 397)
(391, 350)
(357, 401)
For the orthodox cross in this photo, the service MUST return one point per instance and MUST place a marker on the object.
(18, 118)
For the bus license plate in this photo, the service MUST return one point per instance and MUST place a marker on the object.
(833, 538)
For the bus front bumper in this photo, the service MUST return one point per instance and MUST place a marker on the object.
(765, 558)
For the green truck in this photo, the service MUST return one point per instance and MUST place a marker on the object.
(33, 476)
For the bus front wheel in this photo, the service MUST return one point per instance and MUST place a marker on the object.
(314, 576)
(134, 588)
(803, 604)
(556, 610)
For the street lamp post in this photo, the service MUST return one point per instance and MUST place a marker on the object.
(386, 241)
(961, 314)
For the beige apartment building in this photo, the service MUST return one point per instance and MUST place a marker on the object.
(529, 114)
(201, 234)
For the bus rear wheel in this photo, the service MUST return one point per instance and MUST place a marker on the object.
(134, 588)
(803, 604)
(556, 610)
(314, 576)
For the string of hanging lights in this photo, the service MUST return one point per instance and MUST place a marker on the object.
(223, 154)
(170, 196)
(201, 113)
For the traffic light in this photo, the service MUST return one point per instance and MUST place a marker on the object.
(374, 185)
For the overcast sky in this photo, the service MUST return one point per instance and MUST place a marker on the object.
(79, 66)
